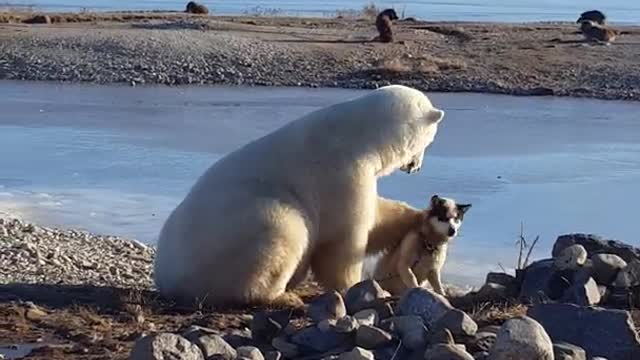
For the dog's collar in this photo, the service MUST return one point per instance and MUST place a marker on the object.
(428, 246)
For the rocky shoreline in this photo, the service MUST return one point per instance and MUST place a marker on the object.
(177, 49)
(72, 294)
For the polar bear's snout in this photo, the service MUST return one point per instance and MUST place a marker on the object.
(414, 165)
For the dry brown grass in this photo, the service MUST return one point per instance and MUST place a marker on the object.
(495, 314)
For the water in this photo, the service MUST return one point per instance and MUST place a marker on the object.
(620, 11)
(116, 160)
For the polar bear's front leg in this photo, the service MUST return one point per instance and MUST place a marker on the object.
(338, 265)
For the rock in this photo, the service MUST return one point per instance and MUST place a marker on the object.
(566, 351)
(600, 332)
(366, 317)
(410, 329)
(357, 354)
(606, 267)
(34, 312)
(629, 276)
(483, 341)
(250, 353)
(596, 245)
(458, 322)
(490, 292)
(347, 324)
(312, 339)
(287, 349)
(211, 345)
(424, 303)
(326, 324)
(273, 355)
(443, 336)
(522, 338)
(503, 279)
(165, 346)
(446, 352)
(585, 294)
(267, 325)
(571, 258)
(542, 282)
(38, 19)
(327, 306)
(363, 295)
(371, 337)
(481, 355)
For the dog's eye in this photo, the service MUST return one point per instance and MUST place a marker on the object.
(443, 219)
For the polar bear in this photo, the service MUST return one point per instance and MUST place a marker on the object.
(302, 197)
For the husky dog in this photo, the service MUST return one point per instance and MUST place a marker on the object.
(414, 242)
(592, 15)
(595, 32)
(195, 8)
(383, 24)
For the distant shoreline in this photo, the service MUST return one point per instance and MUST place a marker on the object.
(172, 48)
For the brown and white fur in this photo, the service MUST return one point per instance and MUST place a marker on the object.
(595, 32)
(413, 242)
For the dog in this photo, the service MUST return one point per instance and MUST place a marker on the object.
(195, 8)
(413, 243)
(383, 24)
(595, 32)
(592, 15)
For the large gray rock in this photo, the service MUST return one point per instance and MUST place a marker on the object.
(424, 303)
(364, 295)
(410, 329)
(327, 306)
(165, 346)
(595, 244)
(601, 332)
(347, 324)
(447, 352)
(458, 322)
(211, 345)
(483, 341)
(585, 294)
(371, 337)
(249, 353)
(571, 258)
(366, 317)
(566, 351)
(606, 267)
(522, 338)
(285, 348)
(267, 325)
(629, 276)
(311, 339)
(542, 281)
(357, 354)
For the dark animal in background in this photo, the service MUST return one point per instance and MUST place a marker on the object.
(383, 24)
(195, 8)
(592, 15)
(596, 32)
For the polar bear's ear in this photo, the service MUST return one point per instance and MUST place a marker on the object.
(435, 116)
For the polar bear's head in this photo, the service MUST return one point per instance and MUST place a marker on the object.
(405, 124)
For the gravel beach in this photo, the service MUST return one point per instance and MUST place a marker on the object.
(173, 48)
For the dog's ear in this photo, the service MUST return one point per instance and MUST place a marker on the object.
(435, 199)
(463, 207)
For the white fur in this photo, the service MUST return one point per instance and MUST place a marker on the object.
(301, 197)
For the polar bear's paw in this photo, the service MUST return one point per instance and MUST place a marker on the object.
(287, 300)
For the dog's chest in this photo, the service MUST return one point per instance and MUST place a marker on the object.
(428, 260)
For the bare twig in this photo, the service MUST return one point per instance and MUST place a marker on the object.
(533, 245)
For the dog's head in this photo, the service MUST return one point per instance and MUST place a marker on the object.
(390, 13)
(445, 216)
